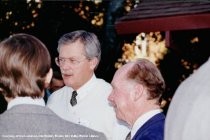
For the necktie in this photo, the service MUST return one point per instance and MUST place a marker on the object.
(73, 100)
(128, 137)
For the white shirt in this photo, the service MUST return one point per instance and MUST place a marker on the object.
(142, 120)
(188, 114)
(92, 109)
(25, 100)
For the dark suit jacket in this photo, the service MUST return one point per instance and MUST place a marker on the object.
(30, 122)
(152, 130)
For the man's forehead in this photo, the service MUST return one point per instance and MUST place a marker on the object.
(120, 74)
(125, 68)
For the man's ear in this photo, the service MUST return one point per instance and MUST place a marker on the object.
(48, 77)
(93, 63)
(139, 92)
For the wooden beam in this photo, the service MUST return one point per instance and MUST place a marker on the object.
(182, 22)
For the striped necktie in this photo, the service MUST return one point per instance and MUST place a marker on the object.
(73, 100)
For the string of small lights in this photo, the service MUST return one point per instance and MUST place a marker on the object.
(20, 17)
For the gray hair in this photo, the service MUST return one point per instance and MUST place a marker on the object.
(90, 40)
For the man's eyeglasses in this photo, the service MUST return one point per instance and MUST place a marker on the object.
(72, 61)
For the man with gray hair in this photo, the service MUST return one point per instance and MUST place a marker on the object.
(83, 99)
(23, 76)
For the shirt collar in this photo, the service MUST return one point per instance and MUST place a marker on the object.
(83, 91)
(142, 119)
(25, 100)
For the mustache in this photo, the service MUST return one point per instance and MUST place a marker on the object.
(66, 73)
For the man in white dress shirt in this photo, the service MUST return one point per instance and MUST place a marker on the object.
(188, 116)
(79, 55)
(23, 76)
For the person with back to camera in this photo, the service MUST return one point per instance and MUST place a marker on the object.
(188, 114)
(23, 76)
(137, 89)
(83, 99)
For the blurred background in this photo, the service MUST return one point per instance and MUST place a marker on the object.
(177, 52)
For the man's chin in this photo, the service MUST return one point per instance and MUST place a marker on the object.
(119, 118)
(117, 115)
(68, 83)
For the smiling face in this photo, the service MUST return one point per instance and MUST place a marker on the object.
(75, 75)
